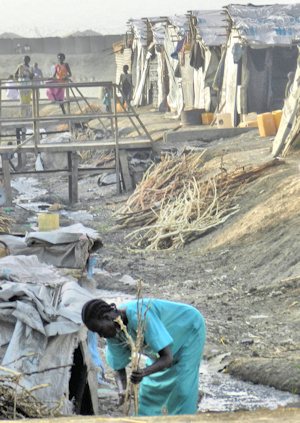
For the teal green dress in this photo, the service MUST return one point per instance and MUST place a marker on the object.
(174, 390)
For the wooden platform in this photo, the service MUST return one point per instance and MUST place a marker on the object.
(129, 144)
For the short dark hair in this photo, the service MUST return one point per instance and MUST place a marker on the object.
(61, 55)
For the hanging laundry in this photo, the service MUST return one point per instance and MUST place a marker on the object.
(197, 56)
(179, 46)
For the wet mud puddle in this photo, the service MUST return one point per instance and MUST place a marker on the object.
(223, 393)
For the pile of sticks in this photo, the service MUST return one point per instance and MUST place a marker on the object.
(175, 204)
(5, 224)
(159, 183)
(16, 402)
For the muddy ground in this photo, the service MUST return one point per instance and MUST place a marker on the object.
(244, 276)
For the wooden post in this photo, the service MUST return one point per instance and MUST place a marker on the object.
(127, 182)
(69, 109)
(245, 82)
(0, 111)
(7, 180)
(73, 176)
(117, 155)
(36, 125)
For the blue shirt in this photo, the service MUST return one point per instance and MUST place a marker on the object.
(167, 324)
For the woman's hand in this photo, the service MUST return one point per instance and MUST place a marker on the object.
(137, 376)
(121, 395)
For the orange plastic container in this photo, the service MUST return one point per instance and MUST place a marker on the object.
(277, 116)
(120, 108)
(207, 118)
(266, 124)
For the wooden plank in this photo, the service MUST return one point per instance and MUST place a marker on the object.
(125, 171)
(73, 177)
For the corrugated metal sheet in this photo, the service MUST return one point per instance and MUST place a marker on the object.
(277, 24)
(211, 26)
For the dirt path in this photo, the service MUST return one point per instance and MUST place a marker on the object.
(244, 276)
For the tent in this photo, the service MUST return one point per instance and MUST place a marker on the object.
(42, 336)
(208, 36)
(289, 128)
(180, 91)
(260, 51)
(148, 66)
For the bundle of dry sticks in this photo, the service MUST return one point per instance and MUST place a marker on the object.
(176, 202)
(17, 402)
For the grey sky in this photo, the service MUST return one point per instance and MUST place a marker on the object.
(34, 18)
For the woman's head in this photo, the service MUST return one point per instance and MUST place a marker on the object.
(26, 59)
(125, 68)
(61, 57)
(99, 316)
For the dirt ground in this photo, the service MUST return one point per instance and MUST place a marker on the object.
(244, 276)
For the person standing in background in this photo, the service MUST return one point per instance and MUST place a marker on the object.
(38, 75)
(24, 74)
(126, 85)
(61, 74)
(11, 93)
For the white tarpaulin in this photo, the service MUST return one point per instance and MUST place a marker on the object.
(40, 331)
(68, 247)
(211, 26)
(276, 24)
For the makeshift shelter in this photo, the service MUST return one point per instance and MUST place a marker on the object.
(207, 37)
(43, 339)
(148, 65)
(289, 128)
(67, 247)
(180, 72)
(259, 54)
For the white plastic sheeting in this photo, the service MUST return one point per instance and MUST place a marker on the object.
(158, 31)
(68, 247)
(139, 28)
(229, 87)
(277, 24)
(36, 333)
(202, 93)
(290, 123)
(211, 26)
(175, 96)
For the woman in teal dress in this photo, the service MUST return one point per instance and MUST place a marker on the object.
(174, 341)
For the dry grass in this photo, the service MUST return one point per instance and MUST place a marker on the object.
(17, 402)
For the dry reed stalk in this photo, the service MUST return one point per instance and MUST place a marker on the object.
(17, 402)
(197, 209)
(162, 181)
(136, 348)
(201, 204)
(5, 224)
